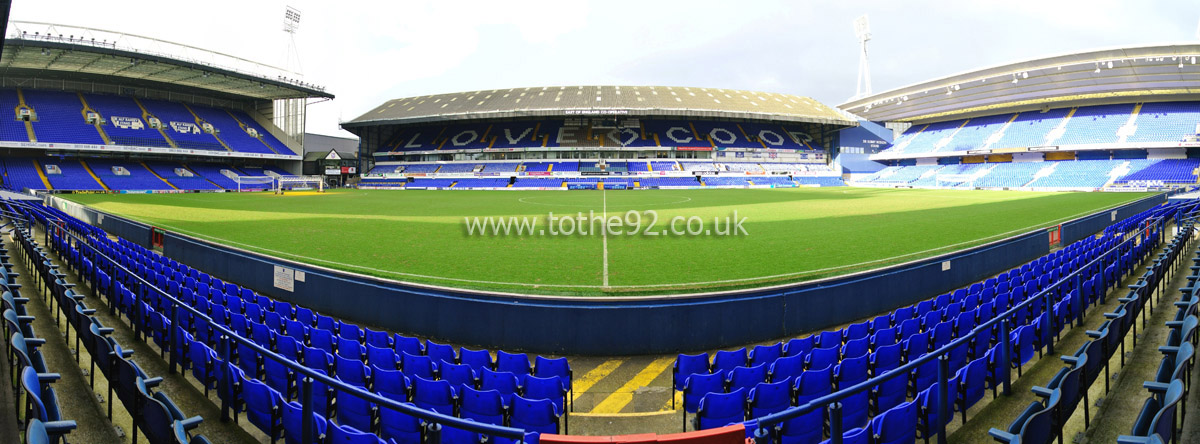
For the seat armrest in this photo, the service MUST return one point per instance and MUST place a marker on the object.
(48, 377)
(59, 427)
(192, 422)
(1042, 392)
(1001, 436)
(1155, 387)
(152, 382)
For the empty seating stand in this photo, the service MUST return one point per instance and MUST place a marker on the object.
(154, 414)
(265, 357)
(980, 333)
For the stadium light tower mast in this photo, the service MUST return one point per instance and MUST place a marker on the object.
(862, 29)
(291, 25)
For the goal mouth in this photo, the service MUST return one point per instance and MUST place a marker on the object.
(254, 183)
(299, 183)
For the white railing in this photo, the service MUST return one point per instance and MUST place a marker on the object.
(102, 38)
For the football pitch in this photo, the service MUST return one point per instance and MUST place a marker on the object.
(700, 240)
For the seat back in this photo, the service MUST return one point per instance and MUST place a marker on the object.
(721, 409)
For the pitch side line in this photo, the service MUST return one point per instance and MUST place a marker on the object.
(604, 232)
(681, 284)
(522, 200)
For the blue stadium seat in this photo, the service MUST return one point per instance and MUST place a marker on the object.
(392, 384)
(318, 359)
(803, 429)
(339, 434)
(379, 339)
(477, 359)
(551, 389)
(516, 363)
(433, 395)
(853, 436)
(884, 337)
(821, 358)
(351, 371)
(799, 346)
(506, 383)
(354, 411)
(533, 415)
(41, 400)
(786, 368)
(721, 409)
(856, 331)
(827, 339)
(898, 425)
(746, 377)
(856, 347)
(1157, 416)
(406, 344)
(279, 377)
(417, 366)
(485, 406)
(695, 387)
(886, 358)
(39, 432)
(927, 402)
(451, 435)
(1035, 425)
(382, 357)
(727, 360)
(813, 384)
(440, 352)
(399, 427)
(263, 406)
(765, 354)
(458, 374)
(350, 349)
(767, 398)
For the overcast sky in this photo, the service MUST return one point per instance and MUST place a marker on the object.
(366, 52)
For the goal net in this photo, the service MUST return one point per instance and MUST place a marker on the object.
(299, 183)
(253, 183)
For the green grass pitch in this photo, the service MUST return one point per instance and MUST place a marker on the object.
(792, 234)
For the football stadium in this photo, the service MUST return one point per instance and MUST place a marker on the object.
(997, 255)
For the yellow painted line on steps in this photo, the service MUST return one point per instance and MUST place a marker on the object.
(624, 395)
(147, 167)
(666, 412)
(585, 382)
(94, 176)
(678, 401)
(42, 174)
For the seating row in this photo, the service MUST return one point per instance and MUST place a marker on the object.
(268, 387)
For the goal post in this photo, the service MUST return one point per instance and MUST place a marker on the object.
(254, 183)
(290, 183)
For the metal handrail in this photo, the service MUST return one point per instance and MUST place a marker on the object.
(942, 355)
(227, 336)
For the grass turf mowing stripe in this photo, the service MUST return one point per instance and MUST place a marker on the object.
(795, 234)
(624, 395)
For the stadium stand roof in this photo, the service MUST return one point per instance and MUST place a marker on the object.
(316, 146)
(589, 101)
(72, 53)
(1128, 74)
